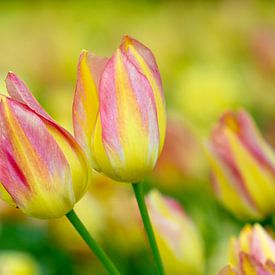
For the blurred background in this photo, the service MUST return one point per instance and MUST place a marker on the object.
(213, 56)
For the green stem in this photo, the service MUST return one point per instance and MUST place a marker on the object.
(148, 226)
(83, 232)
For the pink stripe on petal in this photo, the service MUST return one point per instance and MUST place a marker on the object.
(11, 175)
(221, 147)
(19, 91)
(15, 167)
(146, 54)
(175, 207)
(145, 99)
(33, 149)
(248, 136)
(96, 65)
(108, 107)
(258, 268)
(260, 241)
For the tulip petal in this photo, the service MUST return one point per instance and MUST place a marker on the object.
(259, 182)
(142, 58)
(86, 103)
(101, 159)
(30, 172)
(262, 245)
(80, 172)
(249, 265)
(250, 137)
(19, 91)
(228, 189)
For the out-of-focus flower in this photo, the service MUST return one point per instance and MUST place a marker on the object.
(43, 171)
(119, 111)
(110, 213)
(253, 240)
(177, 237)
(243, 166)
(180, 158)
(91, 212)
(123, 219)
(252, 253)
(18, 263)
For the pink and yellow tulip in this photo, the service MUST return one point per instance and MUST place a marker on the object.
(252, 253)
(243, 166)
(119, 111)
(178, 239)
(43, 170)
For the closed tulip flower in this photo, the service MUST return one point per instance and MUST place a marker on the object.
(252, 253)
(243, 166)
(178, 239)
(119, 111)
(42, 168)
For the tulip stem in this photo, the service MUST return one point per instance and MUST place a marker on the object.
(148, 226)
(83, 232)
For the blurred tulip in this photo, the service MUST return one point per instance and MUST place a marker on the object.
(43, 171)
(178, 239)
(180, 159)
(114, 216)
(252, 253)
(91, 212)
(119, 111)
(243, 166)
(17, 263)
(123, 219)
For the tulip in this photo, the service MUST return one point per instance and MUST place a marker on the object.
(124, 219)
(178, 239)
(119, 111)
(243, 166)
(43, 170)
(252, 253)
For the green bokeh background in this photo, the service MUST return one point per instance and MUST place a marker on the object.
(213, 56)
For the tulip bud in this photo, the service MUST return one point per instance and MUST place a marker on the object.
(252, 253)
(178, 239)
(243, 166)
(42, 169)
(119, 111)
